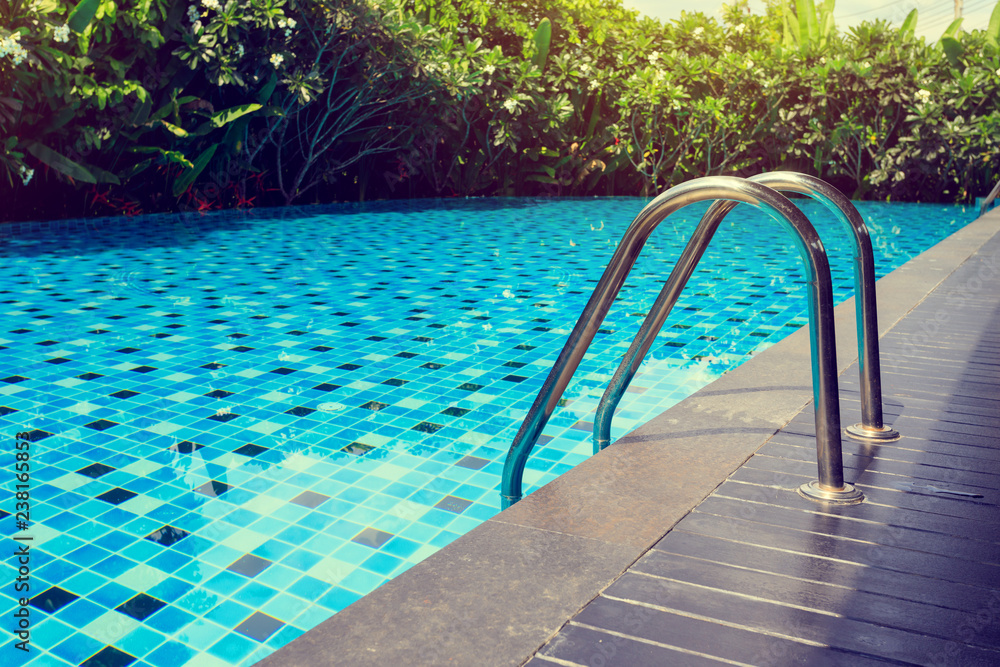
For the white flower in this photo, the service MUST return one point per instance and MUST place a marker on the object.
(196, 26)
(277, 59)
(489, 69)
(923, 95)
(239, 50)
(62, 33)
(653, 56)
(282, 23)
(594, 84)
(291, 23)
(211, 4)
(510, 104)
(11, 46)
(192, 14)
(749, 64)
(26, 174)
(998, 72)
(740, 28)
(698, 31)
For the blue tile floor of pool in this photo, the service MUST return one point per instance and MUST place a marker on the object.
(242, 423)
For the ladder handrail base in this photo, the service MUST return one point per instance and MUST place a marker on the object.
(867, 434)
(848, 495)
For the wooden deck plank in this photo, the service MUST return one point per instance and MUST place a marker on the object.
(780, 606)
(759, 575)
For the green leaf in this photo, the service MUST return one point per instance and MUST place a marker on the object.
(792, 30)
(543, 37)
(232, 113)
(184, 181)
(807, 21)
(46, 6)
(60, 163)
(826, 29)
(993, 31)
(909, 24)
(265, 92)
(232, 139)
(953, 51)
(162, 112)
(225, 117)
(11, 103)
(104, 176)
(952, 28)
(177, 157)
(203, 129)
(595, 115)
(136, 169)
(82, 15)
(171, 156)
(174, 129)
(141, 112)
(827, 7)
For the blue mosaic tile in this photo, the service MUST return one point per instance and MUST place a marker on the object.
(49, 632)
(111, 595)
(200, 634)
(233, 648)
(244, 417)
(77, 649)
(86, 582)
(254, 595)
(170, 654)
(169, 620)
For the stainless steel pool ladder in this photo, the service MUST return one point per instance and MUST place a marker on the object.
(830, 485)
(989, 198)
(871, 428)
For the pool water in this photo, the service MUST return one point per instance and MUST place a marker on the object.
(242, 423)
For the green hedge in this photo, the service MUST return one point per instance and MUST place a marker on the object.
(155, 105)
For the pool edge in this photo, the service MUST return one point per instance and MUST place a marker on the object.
(498, 593)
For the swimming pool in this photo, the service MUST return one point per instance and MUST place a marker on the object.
(243, 423)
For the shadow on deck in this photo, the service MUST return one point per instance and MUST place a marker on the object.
(757, 575)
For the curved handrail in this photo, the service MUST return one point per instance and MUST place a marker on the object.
(830, 485)
(989, 198)
(871, 427)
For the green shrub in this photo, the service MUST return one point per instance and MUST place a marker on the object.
(157, 105)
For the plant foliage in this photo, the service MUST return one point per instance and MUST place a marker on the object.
(158, 105)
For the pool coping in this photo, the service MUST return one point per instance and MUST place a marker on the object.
(497, 594)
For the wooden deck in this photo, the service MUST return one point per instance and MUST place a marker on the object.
(757, 575)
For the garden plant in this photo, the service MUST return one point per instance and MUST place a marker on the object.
(115, 107)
